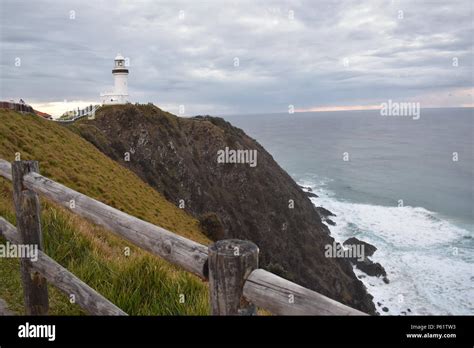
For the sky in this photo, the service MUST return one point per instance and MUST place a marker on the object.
(239, 57)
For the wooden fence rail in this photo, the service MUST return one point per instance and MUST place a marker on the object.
(236, 284)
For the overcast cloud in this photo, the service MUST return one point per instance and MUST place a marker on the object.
(310, 54)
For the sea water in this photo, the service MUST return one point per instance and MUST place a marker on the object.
(404, 185)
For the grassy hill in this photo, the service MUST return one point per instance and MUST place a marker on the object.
(141, 283)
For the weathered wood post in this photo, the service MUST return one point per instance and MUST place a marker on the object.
(230, 263)
(28, 219)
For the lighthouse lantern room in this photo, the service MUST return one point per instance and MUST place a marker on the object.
(120, 93)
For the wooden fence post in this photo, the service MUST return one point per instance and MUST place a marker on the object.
(28, 219)
(230, 263)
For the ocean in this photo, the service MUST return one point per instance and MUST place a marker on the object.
(404, 185)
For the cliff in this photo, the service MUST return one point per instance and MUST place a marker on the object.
(178, 157)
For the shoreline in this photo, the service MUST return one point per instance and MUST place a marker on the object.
(411, 291)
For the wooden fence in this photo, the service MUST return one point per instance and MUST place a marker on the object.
(20, 107)
(236, 285)
(74, 115)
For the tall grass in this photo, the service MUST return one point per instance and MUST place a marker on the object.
(139, 283)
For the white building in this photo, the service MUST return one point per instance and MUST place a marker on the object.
(120, 93)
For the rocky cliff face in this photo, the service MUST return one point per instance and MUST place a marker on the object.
(261, 203)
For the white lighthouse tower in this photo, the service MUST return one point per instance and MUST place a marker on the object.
(120, 93)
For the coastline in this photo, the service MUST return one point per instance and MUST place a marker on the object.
(413, 289)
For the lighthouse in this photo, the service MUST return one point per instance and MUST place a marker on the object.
(120, 93)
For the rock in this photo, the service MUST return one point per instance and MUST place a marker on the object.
(212, 226)
(369, 267)
(369, 249)
(310, 194)
(279, 271)
(323, 212)
(379, 304)
(385, 309)
(330, 222)
(308, 189)
(408, 309)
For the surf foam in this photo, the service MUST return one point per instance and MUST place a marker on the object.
(428, 259)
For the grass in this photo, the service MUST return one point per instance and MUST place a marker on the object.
(140, 284)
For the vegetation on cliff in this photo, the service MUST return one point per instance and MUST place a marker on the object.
(139, 283)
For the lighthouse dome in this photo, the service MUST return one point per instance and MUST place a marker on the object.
(119, 57)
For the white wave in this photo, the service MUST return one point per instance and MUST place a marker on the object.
(426, 257)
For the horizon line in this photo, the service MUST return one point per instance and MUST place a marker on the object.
(335, 109)
(39, 106)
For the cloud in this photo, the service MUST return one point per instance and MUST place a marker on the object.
(305, 53)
